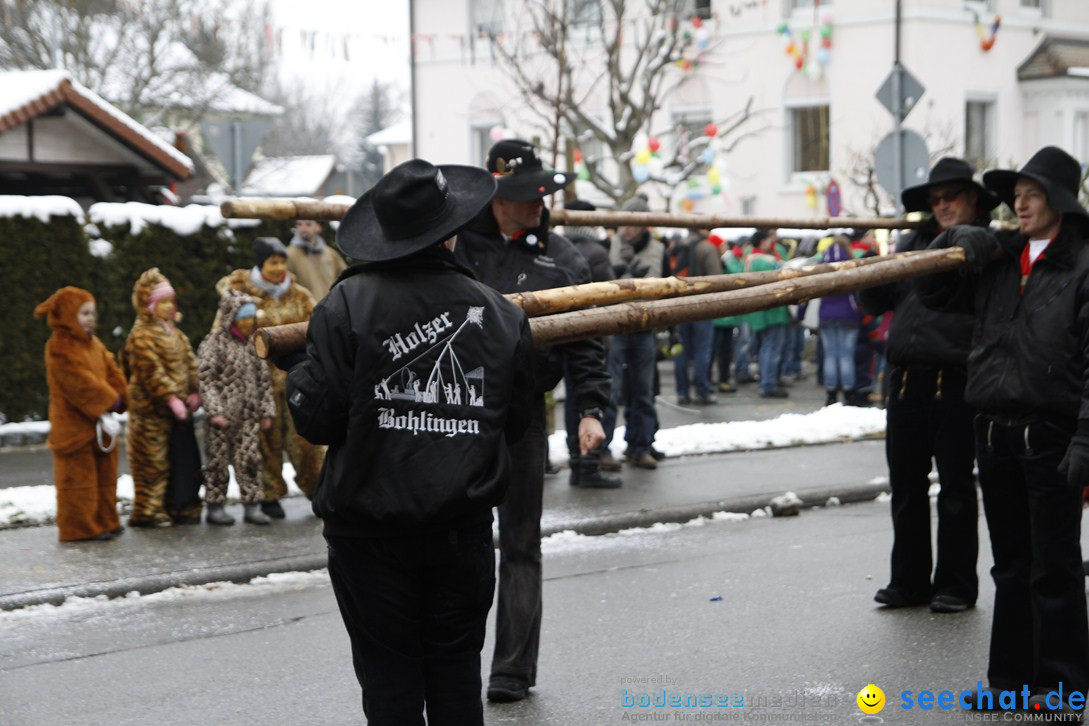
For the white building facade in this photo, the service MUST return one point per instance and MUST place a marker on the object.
(994, 92)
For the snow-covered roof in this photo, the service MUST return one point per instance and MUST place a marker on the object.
(27, 94)
(398, 133)
(219, 95)
(289, 176)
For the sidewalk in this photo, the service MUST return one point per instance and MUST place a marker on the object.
(39, 569)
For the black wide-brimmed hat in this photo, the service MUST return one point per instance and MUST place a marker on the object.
(948, 170)
(414, 206)
(1056, 171)
(520, 174)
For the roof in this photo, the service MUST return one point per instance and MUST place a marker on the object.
(27, 94)
(219, 95)
(1056, 57)
(289, 176)
(398, 133)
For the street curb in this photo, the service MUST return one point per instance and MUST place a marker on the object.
(594, 526)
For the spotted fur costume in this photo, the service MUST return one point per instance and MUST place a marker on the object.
(294, 306)
(234, 384)
(84, 383)
(159, 363)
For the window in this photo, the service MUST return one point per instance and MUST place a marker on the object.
(978, 132)
(480, 141)
(485, 17)
(1038, 8)
(585, 20)
(809, 135)
(690, 126)
(700, 8)
(801, 4)
(748, 206)
(1080, 148)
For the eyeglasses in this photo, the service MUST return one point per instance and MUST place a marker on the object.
(947, 196)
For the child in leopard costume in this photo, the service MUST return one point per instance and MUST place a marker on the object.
(236, 392)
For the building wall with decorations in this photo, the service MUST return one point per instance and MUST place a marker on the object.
(812, 70)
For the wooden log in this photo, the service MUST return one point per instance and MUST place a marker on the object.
(573, 297)
(260, 208)
(632, 316)
(710, 221)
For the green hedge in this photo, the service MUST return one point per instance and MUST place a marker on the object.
(36, 258)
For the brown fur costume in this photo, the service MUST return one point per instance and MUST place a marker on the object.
(159, 363)
(234, 384)
(294, 306)
(84, 382)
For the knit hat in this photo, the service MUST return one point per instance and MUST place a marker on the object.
(248, 310)
(638, 203)
(265, 247)
(160, 292)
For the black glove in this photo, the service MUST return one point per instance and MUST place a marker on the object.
(289, 361)
(978, 243)
(1075, 465)
(638, 268)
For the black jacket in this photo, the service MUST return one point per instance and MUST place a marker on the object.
(596, 254)
(417, 376)
(919, 336)
(1029, 351)
(538, 260)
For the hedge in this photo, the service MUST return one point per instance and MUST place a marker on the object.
(38, 257)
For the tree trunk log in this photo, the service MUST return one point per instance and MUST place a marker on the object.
(573, 297)
(632, 316)
(260, 208)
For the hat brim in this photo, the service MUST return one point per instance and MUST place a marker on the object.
(522, 187)
(917, 198)
(1003, 181)
(360, 235)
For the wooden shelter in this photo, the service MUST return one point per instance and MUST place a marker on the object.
(59, 137)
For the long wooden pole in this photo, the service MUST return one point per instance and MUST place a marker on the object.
(286, 209)
(573, 297)
(632, 316)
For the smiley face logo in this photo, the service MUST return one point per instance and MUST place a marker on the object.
(871, 699)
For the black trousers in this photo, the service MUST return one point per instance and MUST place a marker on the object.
(518, 608)
(416, 611)
(929, 420)
(1039, 636)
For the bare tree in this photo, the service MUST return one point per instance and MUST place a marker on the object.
(376, 110)
(624, 57)
(147, 57)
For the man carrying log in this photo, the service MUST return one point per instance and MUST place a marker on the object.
(1028, 376)
(510, 248)
(927, 416)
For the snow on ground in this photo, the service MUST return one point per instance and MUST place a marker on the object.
(826, 425)
(565, 542)
(78, 607)
(37, 505)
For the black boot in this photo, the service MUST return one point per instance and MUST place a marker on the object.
(586, 473)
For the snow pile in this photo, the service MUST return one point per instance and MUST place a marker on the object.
(258, 586)
(42, 208)
(23, 87)
(288, 176)
(183, 221)
(826, 425)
